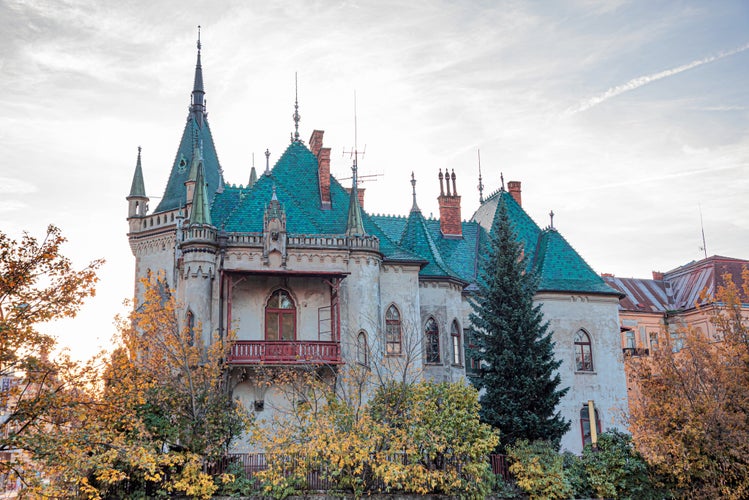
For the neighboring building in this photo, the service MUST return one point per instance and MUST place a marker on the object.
(682, 297)
(304, 276)
(669, 302)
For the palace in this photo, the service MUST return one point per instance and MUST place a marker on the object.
(307, 278)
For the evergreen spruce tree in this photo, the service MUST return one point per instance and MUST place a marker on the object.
(520, 386)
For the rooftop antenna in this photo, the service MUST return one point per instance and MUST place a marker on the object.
(355, 153)
(481, 183)
(702, 228)
(296, 110)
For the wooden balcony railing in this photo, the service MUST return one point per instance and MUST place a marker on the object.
(297, 352)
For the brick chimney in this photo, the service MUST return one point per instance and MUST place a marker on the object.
(450, 222)
(657, 275)
(513, 187)
(323, 167)
(315, 141)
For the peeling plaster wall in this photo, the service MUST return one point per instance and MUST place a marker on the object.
(606, 384)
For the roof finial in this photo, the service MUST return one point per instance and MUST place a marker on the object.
(296, 110)
(267, 162)
(502, 179)
(197, 105)
(415, 207)
(481, 182)
(551, 216)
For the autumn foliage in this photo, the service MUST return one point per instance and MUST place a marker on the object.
(691, 418)
(415, 438)
(37, 285)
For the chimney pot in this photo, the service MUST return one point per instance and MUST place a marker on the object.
(513, 187)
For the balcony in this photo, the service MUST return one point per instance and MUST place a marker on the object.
(636, 351)
(298, 352)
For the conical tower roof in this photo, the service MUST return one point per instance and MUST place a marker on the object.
(138, 188)
(196, 128)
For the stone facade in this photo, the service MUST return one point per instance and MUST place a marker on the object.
(305, 278)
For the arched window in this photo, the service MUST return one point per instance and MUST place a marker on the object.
(432, 338)
(583, 352)
(585, 424)
(280, 317)
(455, 336)
(362, 349)
(190, 325)
(393, 331)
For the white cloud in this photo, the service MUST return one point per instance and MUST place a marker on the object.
(9, 185)
(644, 80)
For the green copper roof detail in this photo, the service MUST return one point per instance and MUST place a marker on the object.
(253, 177)
(174, 193)
(201, 213)
(417, 238)
(560, 267)
(138, 188)
(354, 223)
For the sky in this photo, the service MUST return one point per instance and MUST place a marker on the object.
(628, 119)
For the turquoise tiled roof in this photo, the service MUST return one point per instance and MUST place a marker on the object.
(295, 178)
(174, 194)
(561, 268)
(411, 239)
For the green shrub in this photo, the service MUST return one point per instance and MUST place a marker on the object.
(234, 482)
(574, 469)
(617, 470)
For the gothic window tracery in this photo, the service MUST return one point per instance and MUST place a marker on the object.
(432, 339)
(393, 333)
(455, 336)
(583, 352)
(362, 349)
(280, 316)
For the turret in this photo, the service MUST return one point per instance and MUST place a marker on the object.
(137, 200)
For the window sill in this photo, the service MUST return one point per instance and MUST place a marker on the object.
(585, 372)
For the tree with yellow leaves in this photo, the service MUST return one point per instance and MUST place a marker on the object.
(418, 438)
(151, 420)
(37, 285)
(691, 418)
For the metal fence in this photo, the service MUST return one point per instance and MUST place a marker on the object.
(317, 475)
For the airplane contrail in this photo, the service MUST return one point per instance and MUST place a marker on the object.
(644, 80)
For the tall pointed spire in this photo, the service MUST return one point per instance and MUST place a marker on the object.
(138, 188)
(137, 200)
(201, 211)
(197, 105)
(296, 116)
(195, 125)
(414, 206)
(481, 182)
(253, 177)
(354, 224)
(253, 173)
